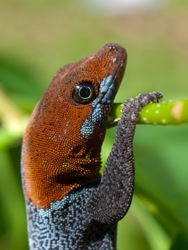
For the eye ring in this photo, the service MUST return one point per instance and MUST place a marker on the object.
(84, 93)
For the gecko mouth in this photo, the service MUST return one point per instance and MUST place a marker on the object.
(110, 84)
(119, 59)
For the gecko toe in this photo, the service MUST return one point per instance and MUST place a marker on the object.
(132, 106)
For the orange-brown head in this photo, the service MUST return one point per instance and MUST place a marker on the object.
(62, 142)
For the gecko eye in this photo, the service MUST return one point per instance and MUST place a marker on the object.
(84, 93)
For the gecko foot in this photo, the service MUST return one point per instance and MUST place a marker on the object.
(132, 106)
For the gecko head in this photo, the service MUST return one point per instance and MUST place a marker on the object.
(93, 83)
(81, 94)
(63, 139)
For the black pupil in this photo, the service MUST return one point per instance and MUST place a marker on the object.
(85, 92)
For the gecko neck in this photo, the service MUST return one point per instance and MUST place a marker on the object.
(43, 186)
(56, 158)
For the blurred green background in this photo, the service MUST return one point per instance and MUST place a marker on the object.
(37, 37)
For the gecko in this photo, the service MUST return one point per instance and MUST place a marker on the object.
(69, 204)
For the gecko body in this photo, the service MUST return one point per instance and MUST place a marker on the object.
(69, 205)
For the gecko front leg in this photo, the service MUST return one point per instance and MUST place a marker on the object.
(112, 198)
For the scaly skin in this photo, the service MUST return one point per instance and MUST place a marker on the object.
(69, 205)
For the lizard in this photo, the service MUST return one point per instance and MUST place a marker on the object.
(69, 204)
